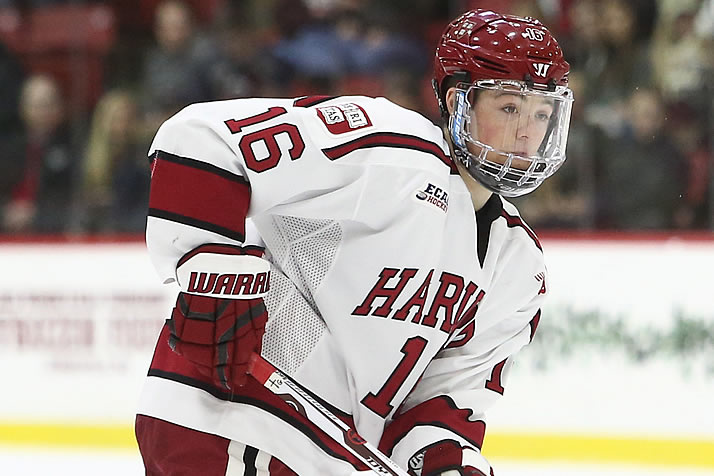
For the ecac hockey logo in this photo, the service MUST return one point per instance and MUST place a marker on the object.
(435, 196)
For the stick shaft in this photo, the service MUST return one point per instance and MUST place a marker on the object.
(302, 402)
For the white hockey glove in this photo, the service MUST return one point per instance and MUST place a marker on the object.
(448, 458)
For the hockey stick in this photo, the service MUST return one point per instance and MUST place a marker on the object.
(300, 401)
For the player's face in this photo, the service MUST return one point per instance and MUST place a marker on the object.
(510, 122)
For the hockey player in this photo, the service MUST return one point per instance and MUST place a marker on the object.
(363, 251)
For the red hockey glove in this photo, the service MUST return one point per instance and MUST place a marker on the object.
(218, 335)
(219, 318)
(448, 458)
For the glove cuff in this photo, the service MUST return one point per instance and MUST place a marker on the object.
(224, 271)
(450, 457)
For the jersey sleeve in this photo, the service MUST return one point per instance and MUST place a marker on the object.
(469, 375)
(199, 191)
(218, 166)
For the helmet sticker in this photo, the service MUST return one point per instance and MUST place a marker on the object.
(534, 34)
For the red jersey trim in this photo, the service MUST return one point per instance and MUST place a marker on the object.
(439, 412)
(514, 221)
(390, 139)
(309, 101)
(534, 325)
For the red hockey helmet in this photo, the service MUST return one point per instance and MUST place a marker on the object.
(512, 57)
(482, 44)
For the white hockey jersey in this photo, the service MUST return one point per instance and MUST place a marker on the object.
(390, 299)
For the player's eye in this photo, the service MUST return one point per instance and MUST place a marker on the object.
(542, 116)
(509, 109)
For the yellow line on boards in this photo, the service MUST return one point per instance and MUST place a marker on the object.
(68, 435)
(497, 446)
(596, 449)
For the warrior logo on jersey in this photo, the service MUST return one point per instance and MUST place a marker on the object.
(434, 195)
(343, 117)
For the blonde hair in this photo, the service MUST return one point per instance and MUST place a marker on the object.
(98, 161)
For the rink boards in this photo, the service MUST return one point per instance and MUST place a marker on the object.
(621, 370)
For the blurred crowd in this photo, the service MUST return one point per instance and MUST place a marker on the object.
(85, 84)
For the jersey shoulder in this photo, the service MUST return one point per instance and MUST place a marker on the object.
(324, 119)
(345, 124)
(333, 127)
(209, 131)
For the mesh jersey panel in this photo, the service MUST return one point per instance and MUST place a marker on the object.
(301, 251)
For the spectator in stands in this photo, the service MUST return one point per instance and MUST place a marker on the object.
(403, 87)
(584, 43)
(641, 183)
(365, 40)
(626, 27)
(680, 56)
(310, 54)
(115, 179)
(173, 68)
(690, 131)
(241, 67)
(11, 78)
(39, 164)
(384, 43)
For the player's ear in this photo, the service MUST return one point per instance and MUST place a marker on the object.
(450, 99)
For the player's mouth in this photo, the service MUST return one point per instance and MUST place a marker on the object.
(517, 162)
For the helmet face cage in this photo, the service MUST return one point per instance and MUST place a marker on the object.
(510, 135)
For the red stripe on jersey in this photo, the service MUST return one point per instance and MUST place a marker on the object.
(308, 101)
(390, 139)
(199, 194)
(515, 221)
(439, 412)
(534, 324)
(171, 366)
